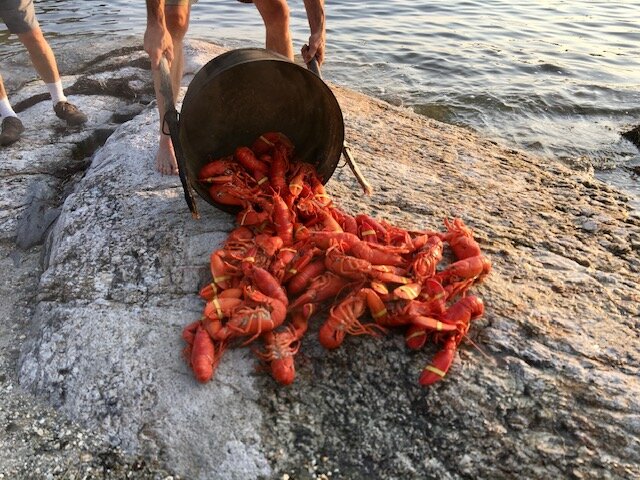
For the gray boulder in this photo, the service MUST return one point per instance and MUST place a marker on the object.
(546, 387)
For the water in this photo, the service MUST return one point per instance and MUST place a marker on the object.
(557, 78)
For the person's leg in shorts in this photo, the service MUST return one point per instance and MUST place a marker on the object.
(177, 13)
(17, 20)
(21, 20)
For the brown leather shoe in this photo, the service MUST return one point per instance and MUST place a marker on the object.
(10, 130)
(70, 113)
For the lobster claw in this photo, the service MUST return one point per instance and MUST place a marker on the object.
(439, 366)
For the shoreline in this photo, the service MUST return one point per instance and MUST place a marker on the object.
(622, 176)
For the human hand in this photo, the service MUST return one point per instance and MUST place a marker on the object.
(315, 48)
(158, 42)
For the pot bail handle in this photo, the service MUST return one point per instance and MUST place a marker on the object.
(346, 152)
(314, 67)
(366, 186)
(171, 121)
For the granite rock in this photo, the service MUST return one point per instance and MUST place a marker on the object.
(546, 386)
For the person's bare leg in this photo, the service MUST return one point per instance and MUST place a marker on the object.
(41, 55)
(275, 15)
(177, 19)
(3, 92)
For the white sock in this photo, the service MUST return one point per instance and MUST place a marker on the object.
(57, 94)
(5, 108)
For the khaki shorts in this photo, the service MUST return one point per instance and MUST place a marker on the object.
(18, 15)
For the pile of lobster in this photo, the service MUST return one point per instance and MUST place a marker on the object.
(294, 254)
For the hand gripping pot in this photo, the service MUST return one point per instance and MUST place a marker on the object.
(241, 94)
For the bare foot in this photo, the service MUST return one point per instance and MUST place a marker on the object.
(166, 158)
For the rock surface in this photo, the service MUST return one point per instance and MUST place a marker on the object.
(551, 391)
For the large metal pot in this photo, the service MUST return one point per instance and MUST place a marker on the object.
(244, 93)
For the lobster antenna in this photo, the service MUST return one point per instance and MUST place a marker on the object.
(486, 355)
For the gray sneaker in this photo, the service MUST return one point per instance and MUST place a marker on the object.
(70, 113)
(10, 130)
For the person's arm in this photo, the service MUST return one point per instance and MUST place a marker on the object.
(315, 14)
(157, 40)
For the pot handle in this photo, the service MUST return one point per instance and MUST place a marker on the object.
(366, 186)
(171, 121)
(346, 153)
(314, 67)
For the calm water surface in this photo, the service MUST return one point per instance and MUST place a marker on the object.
(558, 78)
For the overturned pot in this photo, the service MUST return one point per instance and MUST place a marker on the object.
(241, 94)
